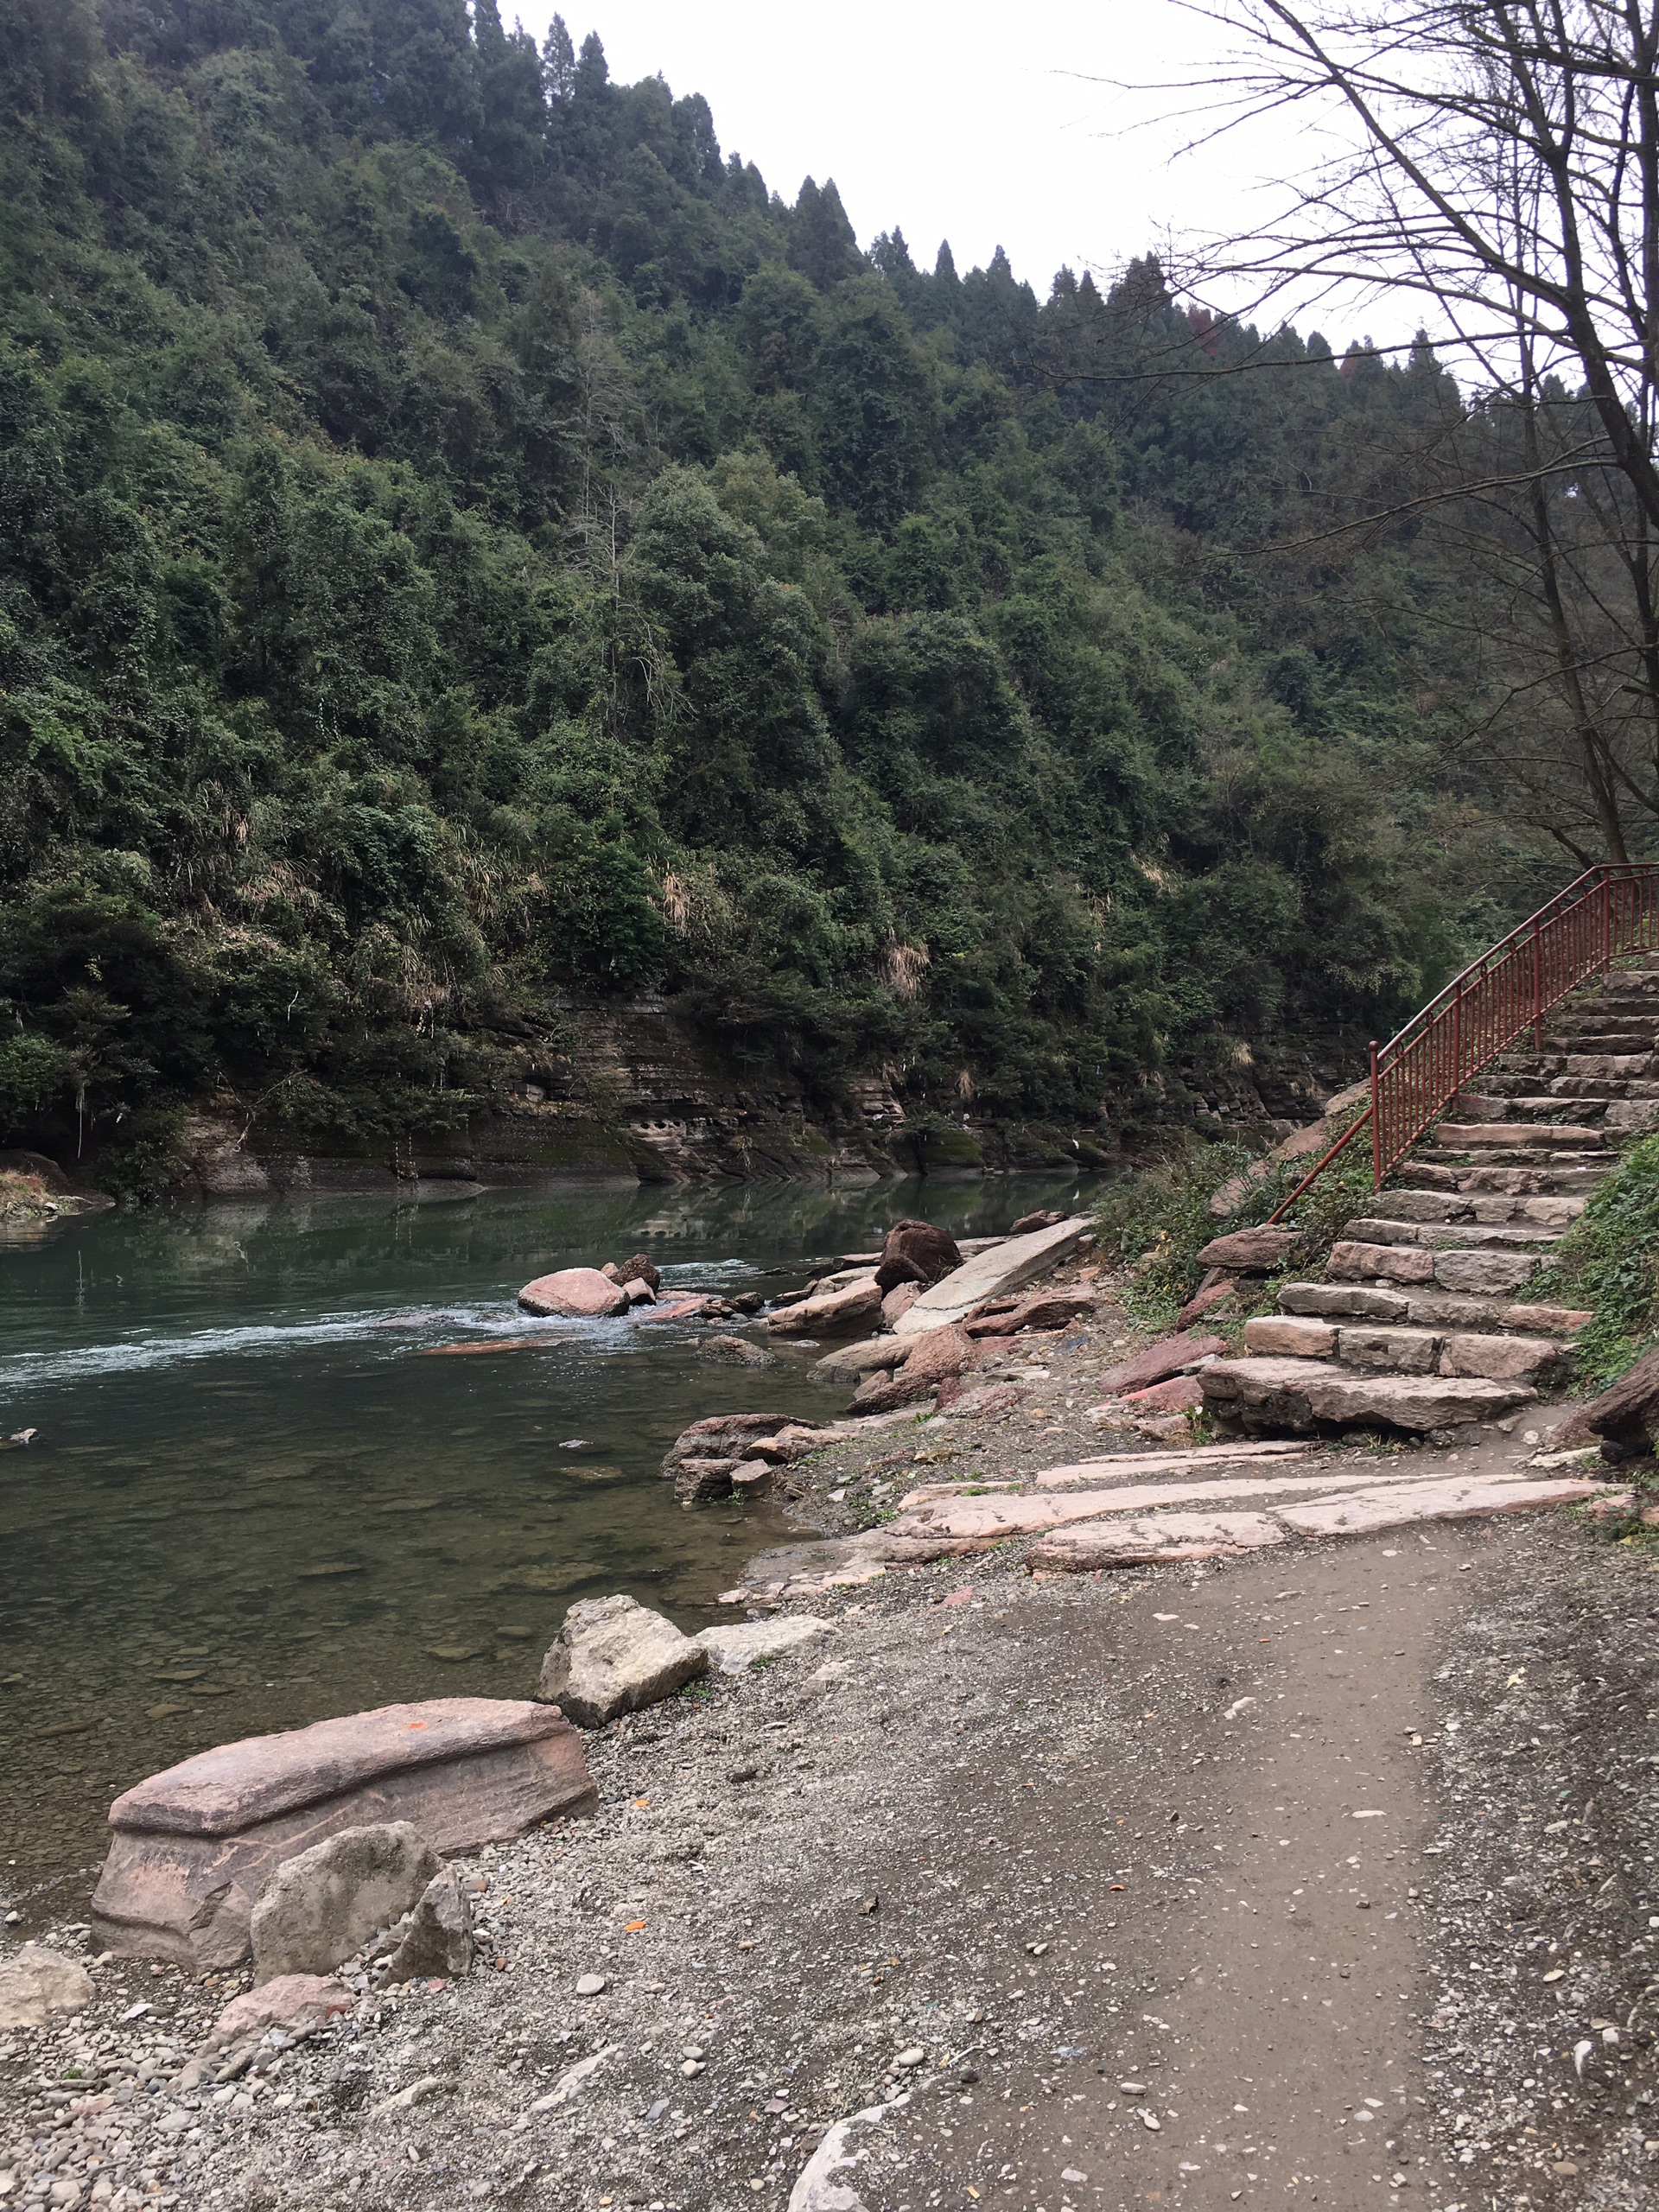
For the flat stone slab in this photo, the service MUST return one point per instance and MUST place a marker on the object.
(734, 1650)
(1396, 1505)
(1005, 1267)
(193, 1845)
(835, 1312)
(1111, 1465)
(1301, 1391)
(1455, 1135)
(1159, 1539)
(992, 1519)
(1159, 1362)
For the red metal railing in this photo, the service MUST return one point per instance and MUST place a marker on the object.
(1608, 912)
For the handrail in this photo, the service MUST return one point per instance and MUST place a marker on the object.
(1602, 915)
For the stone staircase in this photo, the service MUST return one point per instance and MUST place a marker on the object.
(1422, 1321)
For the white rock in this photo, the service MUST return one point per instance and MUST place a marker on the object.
(570, 2081)
(734, 1650)
(591, 1984)
(818, 2189)
(613, 1656)
(36, 1983)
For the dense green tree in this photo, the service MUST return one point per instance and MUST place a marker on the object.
(464, 545)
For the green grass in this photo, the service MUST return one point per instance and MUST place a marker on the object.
(1159, 1223)
(1609, 1261)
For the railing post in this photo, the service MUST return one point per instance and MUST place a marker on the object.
(1376, 1126)
(1606, 921)
(1537, 987)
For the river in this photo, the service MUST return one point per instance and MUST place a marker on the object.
(252, 1500)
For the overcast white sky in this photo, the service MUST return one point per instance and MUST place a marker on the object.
(962, 121)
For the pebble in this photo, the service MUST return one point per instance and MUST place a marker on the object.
(914, 2056)
(1150, 2119)
(591, 1984)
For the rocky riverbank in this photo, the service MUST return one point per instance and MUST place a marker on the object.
(1328, 1872)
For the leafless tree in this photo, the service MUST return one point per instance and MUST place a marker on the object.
(1501, 159)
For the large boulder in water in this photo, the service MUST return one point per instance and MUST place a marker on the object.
(915, 1251)
(579, 1291)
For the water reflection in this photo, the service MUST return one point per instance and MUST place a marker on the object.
(252, 1501)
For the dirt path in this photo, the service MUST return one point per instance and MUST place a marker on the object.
(1235, 1917)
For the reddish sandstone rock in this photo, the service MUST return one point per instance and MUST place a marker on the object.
(291, 2000)
(940, 1355)
(1044, 1309)
(1027, 1222)
(899, 1300)
(1172, 1397)
(833, 1315)
(914, 1251)
(1250, 1251)
(639, 1270)
(1159, 1361)
(193, 1845)
(1205, 1302)
(582, 1291)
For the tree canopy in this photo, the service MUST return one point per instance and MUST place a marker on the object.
(471, 550)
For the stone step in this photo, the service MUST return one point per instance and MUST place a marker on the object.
(1602, 1086)
(1450, 1236)
(1529, 1155)
(1496, 1106)
(1597, 1040)
(1428, 1307)
(1298, 1394)
(1482, 1274)
(1491, 1209)
(1481, 1136)
(1391, 1349)
(1569, 1178)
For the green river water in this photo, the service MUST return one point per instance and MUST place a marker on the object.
(252, 1501)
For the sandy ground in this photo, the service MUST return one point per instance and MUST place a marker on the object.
(1321, 1877)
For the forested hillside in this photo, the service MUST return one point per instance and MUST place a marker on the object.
(473, 551)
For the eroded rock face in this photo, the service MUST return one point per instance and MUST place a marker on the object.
(613, 1656)
(193, 1845)
(323, 1904)
(38, 1985)
(439, 1939)
(914, 1251)
(577, 1291)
